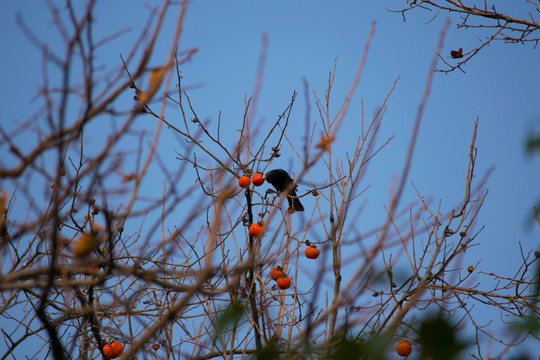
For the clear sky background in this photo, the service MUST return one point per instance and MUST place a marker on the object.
(500, 88)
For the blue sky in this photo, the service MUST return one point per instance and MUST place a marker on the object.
(500, 88)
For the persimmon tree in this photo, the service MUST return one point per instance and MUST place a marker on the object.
(104, 242)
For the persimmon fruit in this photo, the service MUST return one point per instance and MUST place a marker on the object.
(283, 282)
(85, 244)
(118, 347)
(114, 350)
(276, 272)
(404, 348)
(244, 181)
(257, 179)
(255, 230)
(312, 252)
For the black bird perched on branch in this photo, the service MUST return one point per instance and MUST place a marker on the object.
(283, 183)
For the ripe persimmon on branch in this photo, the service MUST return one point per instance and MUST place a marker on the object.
(131, 246)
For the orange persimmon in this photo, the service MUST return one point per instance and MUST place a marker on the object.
(258, 179)
(312, 252)
(85, 244)
(244, 181)
(276, 272)
(255, 230)
(114, 350)
(283, 282)
(404, 348)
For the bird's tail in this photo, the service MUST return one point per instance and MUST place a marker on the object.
(294, 203)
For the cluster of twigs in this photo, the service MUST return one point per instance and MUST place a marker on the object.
(512, 29)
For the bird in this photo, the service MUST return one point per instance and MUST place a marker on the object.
(282, 182)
